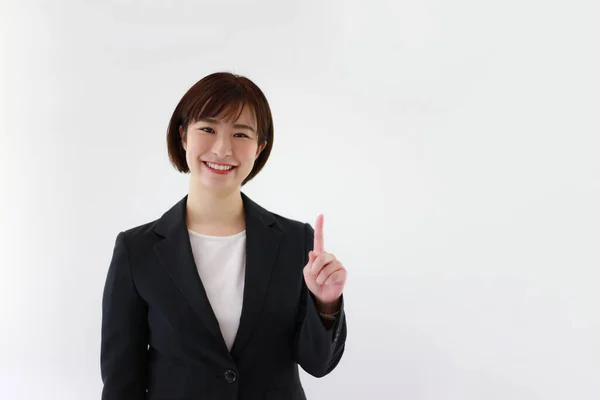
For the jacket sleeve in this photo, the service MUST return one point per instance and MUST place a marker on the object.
(318, 349)
(124, 336)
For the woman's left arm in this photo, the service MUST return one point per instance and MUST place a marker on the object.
(321, 334)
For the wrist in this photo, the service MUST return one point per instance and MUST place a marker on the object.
(328, 308)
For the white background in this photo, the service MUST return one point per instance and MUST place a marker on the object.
(453, 147)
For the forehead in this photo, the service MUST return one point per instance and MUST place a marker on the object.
(241, 114)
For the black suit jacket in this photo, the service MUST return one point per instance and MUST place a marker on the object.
(161, 339)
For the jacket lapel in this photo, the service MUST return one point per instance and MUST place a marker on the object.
(262, 244)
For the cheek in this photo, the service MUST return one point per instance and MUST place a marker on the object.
(195, 145)
(192, 153)
(247, 151)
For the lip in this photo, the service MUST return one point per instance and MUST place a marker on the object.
(219, 172)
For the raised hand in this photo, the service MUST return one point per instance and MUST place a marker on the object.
(325, 275)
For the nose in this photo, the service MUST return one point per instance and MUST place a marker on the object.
(222, 146)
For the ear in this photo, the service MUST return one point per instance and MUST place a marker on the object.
(260, 149)
(183, 136)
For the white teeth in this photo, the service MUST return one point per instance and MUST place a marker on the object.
(219, 167)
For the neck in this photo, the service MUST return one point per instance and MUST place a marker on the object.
(207, 208)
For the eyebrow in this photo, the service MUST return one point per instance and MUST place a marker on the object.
(236, 126)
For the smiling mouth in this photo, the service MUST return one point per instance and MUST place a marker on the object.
(219, 167)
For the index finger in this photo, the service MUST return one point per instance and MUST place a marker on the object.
(319, 247)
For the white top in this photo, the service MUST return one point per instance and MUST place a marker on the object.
(221, 264)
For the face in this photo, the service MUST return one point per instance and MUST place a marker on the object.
(221, 154)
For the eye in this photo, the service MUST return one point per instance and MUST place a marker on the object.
(208, 130)
(243, 134)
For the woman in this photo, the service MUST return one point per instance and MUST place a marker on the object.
(220, 298)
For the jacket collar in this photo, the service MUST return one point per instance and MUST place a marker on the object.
(262, 244)
(176, 215)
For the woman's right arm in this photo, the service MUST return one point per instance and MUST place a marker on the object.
(124, 343)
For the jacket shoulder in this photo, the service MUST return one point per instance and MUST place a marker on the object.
(141, 230)
(289, 224)
(141, 237)
(297, 231)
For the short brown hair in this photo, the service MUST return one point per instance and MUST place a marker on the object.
(224, 95)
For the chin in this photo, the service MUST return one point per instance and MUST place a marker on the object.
(215, 184)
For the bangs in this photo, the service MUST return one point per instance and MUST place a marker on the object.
(227, 106)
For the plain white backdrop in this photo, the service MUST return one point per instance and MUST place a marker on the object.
(453, 147)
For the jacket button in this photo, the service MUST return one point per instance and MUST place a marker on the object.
(230, 376)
